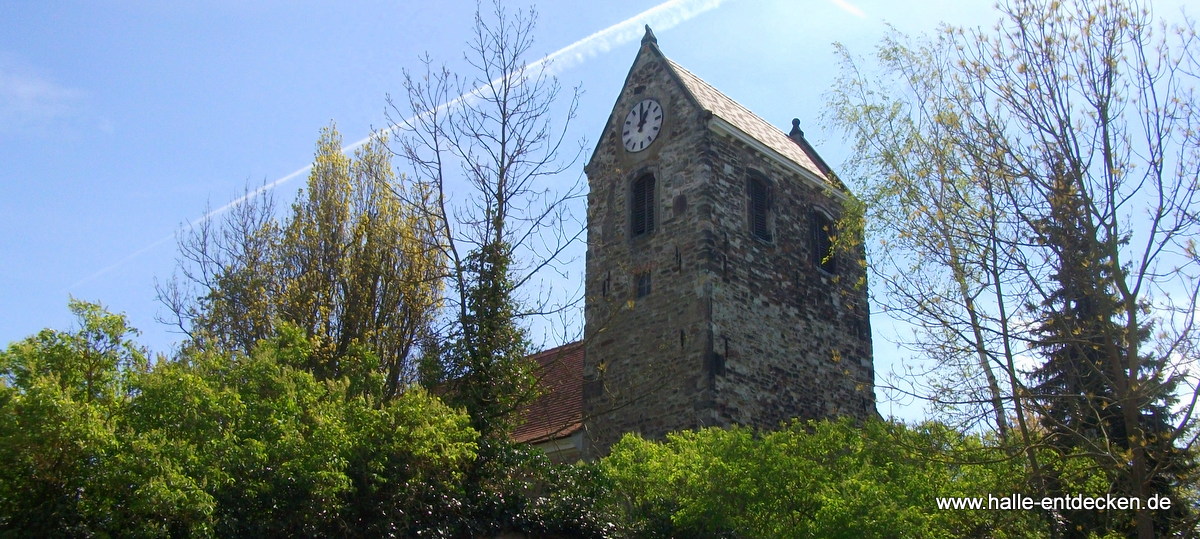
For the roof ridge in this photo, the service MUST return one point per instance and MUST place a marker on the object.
(562, 348)
(752, 125)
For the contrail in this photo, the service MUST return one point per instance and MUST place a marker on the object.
(195, 222)
(664, 16)
(852, 9)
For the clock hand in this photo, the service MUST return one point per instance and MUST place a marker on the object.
(641, 116)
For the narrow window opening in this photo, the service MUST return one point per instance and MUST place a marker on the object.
(643, 284)
(760, 207)
(641, 215)
(822, 242)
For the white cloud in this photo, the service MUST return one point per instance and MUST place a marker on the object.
(29, 101)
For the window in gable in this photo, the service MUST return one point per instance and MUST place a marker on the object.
(759, 208)
(641, 214)
(822, 242)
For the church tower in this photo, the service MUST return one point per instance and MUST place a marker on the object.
(713, 294)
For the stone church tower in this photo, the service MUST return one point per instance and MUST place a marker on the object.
(712, 296)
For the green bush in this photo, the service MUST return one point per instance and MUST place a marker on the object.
(813, 479)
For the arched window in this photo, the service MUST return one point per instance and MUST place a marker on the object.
(759, 207)
(822, 241)
(641, 206)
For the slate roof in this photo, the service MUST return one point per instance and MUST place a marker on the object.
(722, 106)
(558, 412)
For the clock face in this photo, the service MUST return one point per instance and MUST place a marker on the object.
(642, 125)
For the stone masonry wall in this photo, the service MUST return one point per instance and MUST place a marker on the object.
(644, 363)
(734, 330)
(795, 340)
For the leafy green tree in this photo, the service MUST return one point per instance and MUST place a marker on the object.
(98, 442)
(815, 479)
(284, 453)
(91, 364)
(351, 266)
(71, 465)
(271, 449)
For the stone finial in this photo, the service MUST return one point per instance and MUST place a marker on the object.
(796, 134)
(649, 37)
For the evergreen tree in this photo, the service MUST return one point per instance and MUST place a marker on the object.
(1078, 332)
(492, 375)
(1099, 398)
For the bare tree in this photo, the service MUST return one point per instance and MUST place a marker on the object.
(1011, 176)
(490, 147)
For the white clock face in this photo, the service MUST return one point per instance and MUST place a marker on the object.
(642, 125)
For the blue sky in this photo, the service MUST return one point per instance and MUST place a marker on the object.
(122, 120)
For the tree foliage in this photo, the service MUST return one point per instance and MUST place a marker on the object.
(490, 373)
(1032, 192)
(817, 479)
(61, 397)
(351, 266)
(215, 443)
(218, 444)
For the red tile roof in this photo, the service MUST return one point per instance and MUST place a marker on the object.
(558, 412)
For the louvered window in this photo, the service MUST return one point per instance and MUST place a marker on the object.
(760, 206)
(641, 214)
(822, 242)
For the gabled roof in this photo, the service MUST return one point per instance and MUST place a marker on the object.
(756, 128)
(558, 412)
(792, 150)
